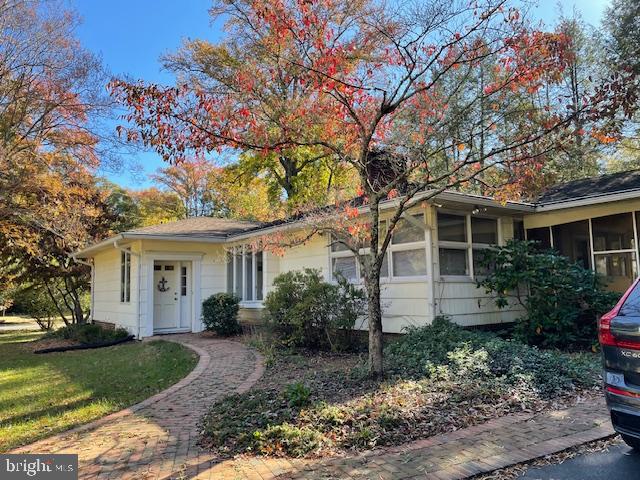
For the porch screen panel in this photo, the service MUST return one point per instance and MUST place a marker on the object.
(541, 235)
(614, 250)
(613, 232)
(572, 241)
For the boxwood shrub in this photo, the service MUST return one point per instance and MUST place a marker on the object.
(220, 314)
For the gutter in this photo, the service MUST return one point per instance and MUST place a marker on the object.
(585, 201)
(388, 204)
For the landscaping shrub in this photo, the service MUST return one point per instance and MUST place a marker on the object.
(441, 378)
(297, 394)
(220, 314)
(561, 298)
(309, 312)
(88, 333)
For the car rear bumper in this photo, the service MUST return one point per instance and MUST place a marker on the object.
(625, 413)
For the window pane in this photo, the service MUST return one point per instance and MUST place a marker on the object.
(238, 279)
(122, 276)
(183, 281)
(484, 230)
(406, 232)
(337, 246)
(409, 263)
(618, 269)
(128, 277)
(572, 241)
(631, 305)
(452, 228)
(229, 272)
(518, 229)
(453, 261)
(479, 270)
(614, 232)
(259, 275)
(249, 274)
(384, 270)
(345, 266)
(541, 235)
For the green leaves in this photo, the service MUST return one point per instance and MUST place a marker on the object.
(220, 314)
(562, 299)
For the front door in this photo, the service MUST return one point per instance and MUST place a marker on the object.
(166, 296)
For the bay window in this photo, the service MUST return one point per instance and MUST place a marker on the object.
(245, 273)
(405, 257)
(461, 240)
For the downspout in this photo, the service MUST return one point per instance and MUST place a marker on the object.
(93, 277)
(139, 276)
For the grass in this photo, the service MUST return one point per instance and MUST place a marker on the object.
(45, 394)
(439, 378)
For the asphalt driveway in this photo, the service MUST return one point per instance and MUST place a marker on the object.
(618, 462)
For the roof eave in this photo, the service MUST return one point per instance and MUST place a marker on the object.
(92, 249)
(586, 201)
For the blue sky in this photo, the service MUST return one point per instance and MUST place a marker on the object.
(131, 35)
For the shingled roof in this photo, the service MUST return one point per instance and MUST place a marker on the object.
(198, 227)
(592, 187)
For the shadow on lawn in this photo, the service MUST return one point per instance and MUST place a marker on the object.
(43, 394)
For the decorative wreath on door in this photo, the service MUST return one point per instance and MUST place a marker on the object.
(162, 285)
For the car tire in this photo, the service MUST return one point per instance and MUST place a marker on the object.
(633, 442)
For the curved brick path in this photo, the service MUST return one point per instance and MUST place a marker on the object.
(157, 438)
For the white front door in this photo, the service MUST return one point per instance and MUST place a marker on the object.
(166, 295)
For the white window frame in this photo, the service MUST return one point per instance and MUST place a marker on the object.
(125, 276)
(390, 277)
(242, 250)
(469, 246)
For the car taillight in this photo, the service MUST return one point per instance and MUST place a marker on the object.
(604, 325)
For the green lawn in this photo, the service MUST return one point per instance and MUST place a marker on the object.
(44, 394)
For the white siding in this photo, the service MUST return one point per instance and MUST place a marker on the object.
(405, 302)
(467, 304)
(107, 305)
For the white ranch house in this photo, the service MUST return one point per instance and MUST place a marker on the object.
(153, 280)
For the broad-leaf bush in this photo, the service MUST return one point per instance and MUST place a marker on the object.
(440, 377)
(562, 299)
(308, 312)
(88, 333)
(220, 314)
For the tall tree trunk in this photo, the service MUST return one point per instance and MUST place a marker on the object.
(376, 367)
(372, 283)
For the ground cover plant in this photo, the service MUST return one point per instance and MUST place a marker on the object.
(44, 394)
(441, 377)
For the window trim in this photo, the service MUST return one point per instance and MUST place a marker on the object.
(469, 245)
(391, 248)
(125, 276)
(242, 250)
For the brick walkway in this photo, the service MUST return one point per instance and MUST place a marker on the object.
(157, 438)
(471, 451)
